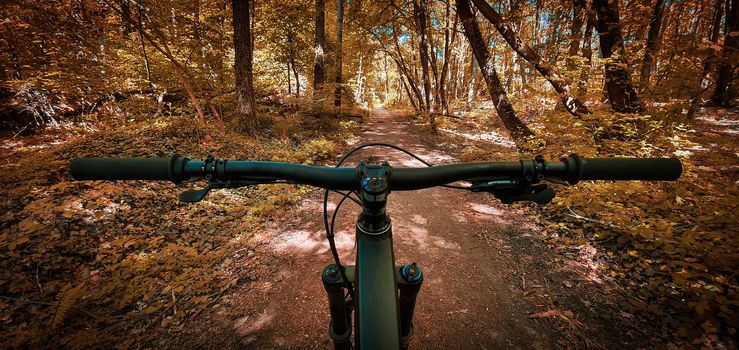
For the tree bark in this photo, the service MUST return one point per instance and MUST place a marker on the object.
(339, 54)
(621, 93)
(243, 65)
(515, 126)
(572, 104)
(653, 39)
(320, 43)
(724, 94)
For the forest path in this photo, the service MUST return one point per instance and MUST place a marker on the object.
(485, 266)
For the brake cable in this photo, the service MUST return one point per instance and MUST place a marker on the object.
(330, 228)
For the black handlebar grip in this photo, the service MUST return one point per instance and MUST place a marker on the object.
(122, 168)
(655, 169)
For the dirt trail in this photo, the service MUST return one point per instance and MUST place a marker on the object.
(486, 272)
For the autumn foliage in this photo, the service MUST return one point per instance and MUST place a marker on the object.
(90, 264)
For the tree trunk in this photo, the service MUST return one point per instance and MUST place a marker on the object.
(710, 60)
(587, 53)
(517, 128)
(459, 80)
(419, 10)
(143, 49)
(448, 41)
(724, 94)
(573, 105)
(243, 65)
(387, 87)
(471, 93)
(621, 93)
(358, 92)
(433, 63)
(339, 54)
(289, 80)
(579, 13)
(291, 52)
(320, 43)
(297, 80)
(653, 40)
(407, 90)
(404, 69)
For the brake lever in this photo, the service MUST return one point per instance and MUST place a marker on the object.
(509, 191)
(194, 196)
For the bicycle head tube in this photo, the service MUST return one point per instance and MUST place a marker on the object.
(374, 187)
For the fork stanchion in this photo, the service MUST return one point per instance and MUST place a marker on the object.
(339, 328)
(409, 285)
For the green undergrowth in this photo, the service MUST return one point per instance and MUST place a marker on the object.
(674, 245)
(91, 264)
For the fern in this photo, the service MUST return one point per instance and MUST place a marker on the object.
(67, 297)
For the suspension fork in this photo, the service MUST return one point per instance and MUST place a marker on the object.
(384, 316)
(340, 327)
(409, 279)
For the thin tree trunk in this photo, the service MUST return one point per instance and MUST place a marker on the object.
(471, 93)
(459, 80)
(291, 52)
(404, 69)
(297, 80)
(339, 54)
(358, 93)
(433, 63)
(289, 80)
(517, 128)
(143, 49)
(724, 94)
(572, 104)
(445, 76)
(653, 40)
(579, 13)
(180, 70)
(387, 87)
(320, 43)
(243, 65)
(621, 93)
(407, 90)
(587, 53)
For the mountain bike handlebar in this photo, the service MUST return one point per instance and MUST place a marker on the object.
(571, 169)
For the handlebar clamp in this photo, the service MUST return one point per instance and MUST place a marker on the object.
(533, 171)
